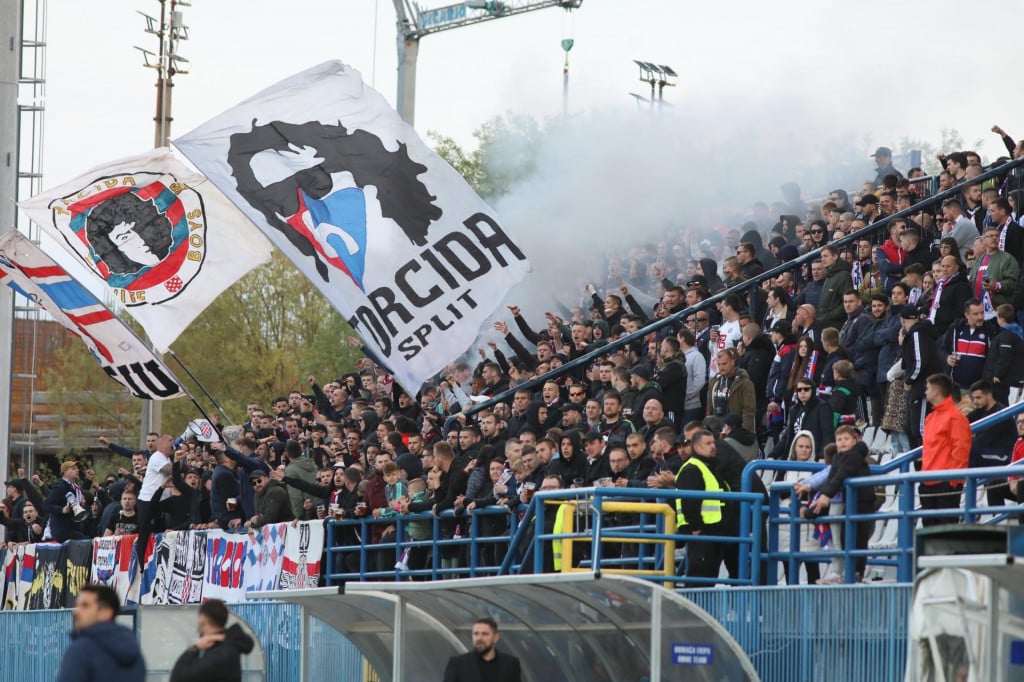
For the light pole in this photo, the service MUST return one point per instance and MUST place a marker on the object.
(657, 76)
(169, 30)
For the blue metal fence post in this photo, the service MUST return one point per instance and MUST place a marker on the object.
(905, 532)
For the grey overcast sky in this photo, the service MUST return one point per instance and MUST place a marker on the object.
(875, 66)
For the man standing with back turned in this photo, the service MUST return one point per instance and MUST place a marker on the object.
(217, 654)
(100, 649)
(484, 663)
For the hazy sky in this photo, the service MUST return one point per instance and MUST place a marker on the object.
(888, 68)
(873, 71)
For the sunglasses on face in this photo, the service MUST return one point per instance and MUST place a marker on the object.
(803, 389)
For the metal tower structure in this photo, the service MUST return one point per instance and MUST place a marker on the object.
(415, 22)
(22, 108)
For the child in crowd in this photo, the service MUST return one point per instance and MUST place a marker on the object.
(801, 450)
(849, 461)
(845, 394)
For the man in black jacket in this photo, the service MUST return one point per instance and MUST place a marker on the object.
(993, 446)
(920, 359)
(62, 524)
(485, 663)
(672, 377)
(952, 291)
(217, 654)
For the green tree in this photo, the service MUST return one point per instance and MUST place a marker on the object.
(505, 154)
(950, 141)
(260, 339)
(83, 402)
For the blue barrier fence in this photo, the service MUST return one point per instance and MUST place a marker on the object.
(805, 634)
(33, 642)
(523, 548)
(898, 475)
(790, 634)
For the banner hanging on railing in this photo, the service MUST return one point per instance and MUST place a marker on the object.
(182, 567)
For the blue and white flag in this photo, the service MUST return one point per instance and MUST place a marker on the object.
(123, 356)
(388, 232)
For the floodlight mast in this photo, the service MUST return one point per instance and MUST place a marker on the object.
(414, 22)
(657, 76)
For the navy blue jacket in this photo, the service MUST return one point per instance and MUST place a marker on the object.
(246, 493)
(104, 651)
(61, 524)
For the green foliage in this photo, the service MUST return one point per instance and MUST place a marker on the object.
(85, 400)
(261, 338)
(258, 340)
(951, 141)
(506, 153)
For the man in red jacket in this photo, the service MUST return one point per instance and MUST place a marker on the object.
(947, 445)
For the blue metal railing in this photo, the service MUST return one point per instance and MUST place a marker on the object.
(750, 508)
(522, 548)
(896, 473)
(390, 551)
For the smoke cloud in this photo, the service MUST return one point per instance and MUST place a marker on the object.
(617, 179)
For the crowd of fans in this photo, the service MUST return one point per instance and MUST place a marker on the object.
(896, 332)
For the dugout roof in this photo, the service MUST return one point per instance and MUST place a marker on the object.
(561, 627)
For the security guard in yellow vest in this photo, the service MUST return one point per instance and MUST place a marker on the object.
(700, 516)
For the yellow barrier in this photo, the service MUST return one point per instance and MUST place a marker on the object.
(665, 510)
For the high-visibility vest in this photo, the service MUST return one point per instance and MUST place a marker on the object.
(710, 510)
(556, 545)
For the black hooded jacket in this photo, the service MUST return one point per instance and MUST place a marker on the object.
(710, 269)
(220, 663)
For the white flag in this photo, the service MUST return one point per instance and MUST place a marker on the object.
(123, 356)
(391, 235)
(164, 239)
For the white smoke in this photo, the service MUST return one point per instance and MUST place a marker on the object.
(615, 180)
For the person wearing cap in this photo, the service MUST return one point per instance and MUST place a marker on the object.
(272, 503)
(62, 525)
(20, 492)
(640, 380)
(867, 207)
(883, 158)
(224, 487)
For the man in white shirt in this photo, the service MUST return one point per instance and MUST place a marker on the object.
(158, 470)
(728, 335)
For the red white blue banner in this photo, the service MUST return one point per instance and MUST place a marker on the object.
(387, 231)
(123, 356)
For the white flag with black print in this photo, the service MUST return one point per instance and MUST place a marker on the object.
(389, 233)
(123, 356)
(161, 236)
